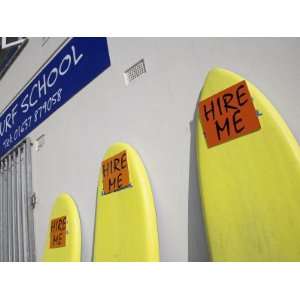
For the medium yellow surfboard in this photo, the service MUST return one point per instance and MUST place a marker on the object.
(64, 232)
(250, 186)
(125, 228)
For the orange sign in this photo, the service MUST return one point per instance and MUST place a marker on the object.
(58, 232)
(115, 173)
(228, 114)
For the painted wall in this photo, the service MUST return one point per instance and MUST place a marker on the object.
(155, 114)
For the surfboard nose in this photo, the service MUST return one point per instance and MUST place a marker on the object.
(216, 72)
(217, 79)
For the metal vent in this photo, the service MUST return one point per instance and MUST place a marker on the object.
(134, 71)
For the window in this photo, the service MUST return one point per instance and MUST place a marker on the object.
(10, 48)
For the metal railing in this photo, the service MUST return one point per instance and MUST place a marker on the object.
(16, 210)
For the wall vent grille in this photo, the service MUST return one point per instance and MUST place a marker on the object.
(134, 71)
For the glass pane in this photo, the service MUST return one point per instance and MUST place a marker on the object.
(9, 54)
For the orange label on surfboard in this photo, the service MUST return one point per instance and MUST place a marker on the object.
(228, 114)
(58, 232)
(115, 173)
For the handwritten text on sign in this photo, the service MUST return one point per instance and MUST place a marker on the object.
(58, 232)
(76, 64)
(115, 173)
(228, 114)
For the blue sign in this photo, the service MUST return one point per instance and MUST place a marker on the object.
(71, 69)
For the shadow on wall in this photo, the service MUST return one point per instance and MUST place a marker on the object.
(197, 241)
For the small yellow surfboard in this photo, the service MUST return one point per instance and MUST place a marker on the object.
(250, 185)
(125, 228)
(64, 232)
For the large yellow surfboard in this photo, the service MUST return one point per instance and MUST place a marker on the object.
(125, 228)
(250, 186)
(64, 232)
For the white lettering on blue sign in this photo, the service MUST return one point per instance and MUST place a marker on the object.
(71, 69)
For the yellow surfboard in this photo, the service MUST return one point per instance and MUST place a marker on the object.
(64, 232)
(250, 186)
(125, 228)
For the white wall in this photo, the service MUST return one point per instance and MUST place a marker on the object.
(155, 114)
